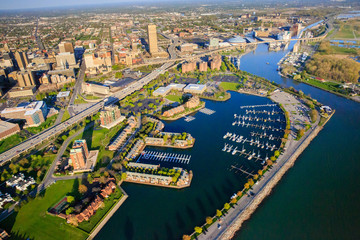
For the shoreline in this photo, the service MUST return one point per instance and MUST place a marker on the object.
(183, 114)
(250, 208)
(326, 90)
(108, 215)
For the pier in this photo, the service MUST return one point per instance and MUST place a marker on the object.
(207, 111)
(165, 157)
(262, 127)
(255, 106)
(189, 118)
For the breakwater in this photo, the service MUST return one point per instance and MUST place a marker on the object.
(274, 178)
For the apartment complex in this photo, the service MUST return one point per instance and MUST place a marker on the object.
(34, 113)
(120, 140)
(110, 116)
(78, 154)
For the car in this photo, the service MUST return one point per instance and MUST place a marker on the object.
(219, 226)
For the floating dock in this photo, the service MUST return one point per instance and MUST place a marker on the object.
(207, 111)
(165, 157)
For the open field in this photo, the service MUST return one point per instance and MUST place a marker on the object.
(32, 221)
(330, 86)
(174, 98)
(65, 116)
(230, 86)
(348, 29)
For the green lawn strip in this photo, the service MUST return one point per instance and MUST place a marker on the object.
(9, 142)
(230, 86)
(48, 123)
(174, 98)
(32, 221)
(65, 116)
(343, 50)
(330, 86)
(94, 220)
(79, 100)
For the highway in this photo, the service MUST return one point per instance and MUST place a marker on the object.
(53, 131)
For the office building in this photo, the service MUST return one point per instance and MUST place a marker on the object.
(66, 47)
(7, 129)
(21, 59)
(65, 60)
(152, 39)
(78, 154)
(34, 113)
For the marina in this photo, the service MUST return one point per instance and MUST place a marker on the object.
(263, 126)
(165, 157)
(248, 154)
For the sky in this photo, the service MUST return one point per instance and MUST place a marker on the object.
(25, 4)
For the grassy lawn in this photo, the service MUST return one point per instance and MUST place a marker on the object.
(48, 123)
(92, 97)
(174, 98)
(65, 116)
(345, 31)
(9, 142)
(230, 86)
(331, 86)
(98, 139)
(32, 221)
(87, 226)
(79, 100)
(343, 50)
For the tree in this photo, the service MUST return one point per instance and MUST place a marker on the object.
(186, 237)
(69, 210)
(218, 213)
(277, 153)
(209, 220)
(246, 185)
(70, 199)
(123, 176)
(198, 230)
(313, 115)
(226, 206)
(234, 200)
(239, 193)
(260, 172)
(82, 189)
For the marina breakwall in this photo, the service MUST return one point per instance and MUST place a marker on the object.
(235, 226)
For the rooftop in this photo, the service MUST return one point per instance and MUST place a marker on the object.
(198, 87)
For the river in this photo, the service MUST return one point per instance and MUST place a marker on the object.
(317, 199)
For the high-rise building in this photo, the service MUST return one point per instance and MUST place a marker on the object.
(110, 116)
(78, 154)
(22, 60)
(66, 47)
(25, 79)
(152, 39)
